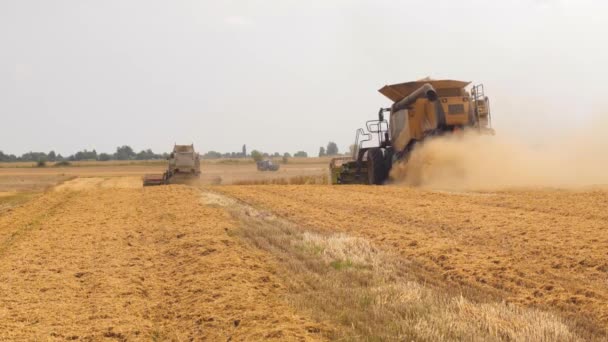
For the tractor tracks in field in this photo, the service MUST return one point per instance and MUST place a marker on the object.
(123, 263)
(43, 207)
(368, 293)
(263, 262)
(545, 256)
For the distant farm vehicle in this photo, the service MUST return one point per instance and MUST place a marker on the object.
(267, 165)
(183, 165)
(420, 110)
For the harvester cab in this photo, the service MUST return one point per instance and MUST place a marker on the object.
(420, 109)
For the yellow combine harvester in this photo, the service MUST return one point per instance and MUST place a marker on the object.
(183, 165)
(420, 109)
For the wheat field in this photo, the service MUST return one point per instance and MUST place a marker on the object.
(91, 255)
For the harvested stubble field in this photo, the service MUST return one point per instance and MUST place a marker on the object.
(102, 258)
(536, 248)
(97, 259)
(213, 172)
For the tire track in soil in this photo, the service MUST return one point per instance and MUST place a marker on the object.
(542, 248)
(138, 264)
(18, 228)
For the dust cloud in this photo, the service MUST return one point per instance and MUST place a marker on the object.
(471, 161)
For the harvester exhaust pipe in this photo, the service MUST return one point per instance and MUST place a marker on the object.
(426, 90)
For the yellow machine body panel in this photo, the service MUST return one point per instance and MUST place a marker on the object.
(408, 124)
(456, 110)
(413, 123)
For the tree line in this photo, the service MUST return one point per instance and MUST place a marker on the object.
(126, 152)
(122, 153)
(255, 154)
(331, 150)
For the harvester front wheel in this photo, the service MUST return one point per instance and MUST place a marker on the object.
(377, 171)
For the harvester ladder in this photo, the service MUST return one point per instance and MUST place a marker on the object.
(478, 95)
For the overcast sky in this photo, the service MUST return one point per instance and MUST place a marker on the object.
(282, 75)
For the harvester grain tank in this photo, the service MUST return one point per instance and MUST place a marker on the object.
(183, 165)
(420, 110)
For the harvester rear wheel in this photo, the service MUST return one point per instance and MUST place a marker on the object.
(377, 171)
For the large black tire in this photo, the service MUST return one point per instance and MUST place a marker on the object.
(389, 156)
(377, 171)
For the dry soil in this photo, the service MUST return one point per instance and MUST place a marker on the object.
(541, 248)
(99, 259)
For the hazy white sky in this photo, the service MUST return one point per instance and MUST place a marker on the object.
(282, 75)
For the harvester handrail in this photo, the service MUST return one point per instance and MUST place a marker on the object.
(379, 124)
(358, 143)
(373, 127)
(380, 130)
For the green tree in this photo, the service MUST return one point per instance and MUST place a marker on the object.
(286, 157)
(212, 155)
(104, 157)
(34, 156)
(124, 153)
(256, 155)
(145, 155)
(85, 155)
(332, 149)
(321, 151)
(8, 157)
(301, 154)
